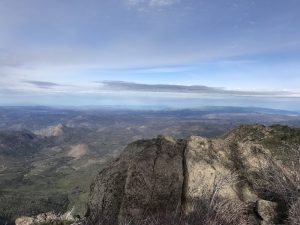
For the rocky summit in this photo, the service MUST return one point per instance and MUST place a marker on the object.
(250, 175)
(251, 166)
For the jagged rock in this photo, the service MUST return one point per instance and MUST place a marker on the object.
(267, 211)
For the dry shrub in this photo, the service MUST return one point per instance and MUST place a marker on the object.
(274, 184)
(294, 213)
(221, 212)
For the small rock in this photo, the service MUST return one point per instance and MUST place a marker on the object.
(267, 211)
(45, 217)
(24, 220)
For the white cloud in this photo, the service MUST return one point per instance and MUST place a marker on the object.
(151, 3)
(134, 2)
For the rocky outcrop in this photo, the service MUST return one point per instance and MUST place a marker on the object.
(165, 174)
(52, 131)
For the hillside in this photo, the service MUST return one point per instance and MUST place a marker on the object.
(39, 173)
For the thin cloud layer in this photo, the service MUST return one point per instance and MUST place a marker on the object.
(200, 89)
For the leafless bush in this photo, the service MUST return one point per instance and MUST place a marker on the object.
(274, 184)
(281, 184)
(220, 182)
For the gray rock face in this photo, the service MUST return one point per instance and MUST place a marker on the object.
(164, 174)
(148, 177)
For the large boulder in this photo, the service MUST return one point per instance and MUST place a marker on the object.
(146, 178)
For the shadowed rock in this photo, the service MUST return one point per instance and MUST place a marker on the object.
(148, 177)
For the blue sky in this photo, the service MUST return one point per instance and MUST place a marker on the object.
(178, 53)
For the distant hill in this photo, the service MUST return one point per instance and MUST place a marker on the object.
(21, 143)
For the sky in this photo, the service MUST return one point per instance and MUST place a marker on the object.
(171, 53)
